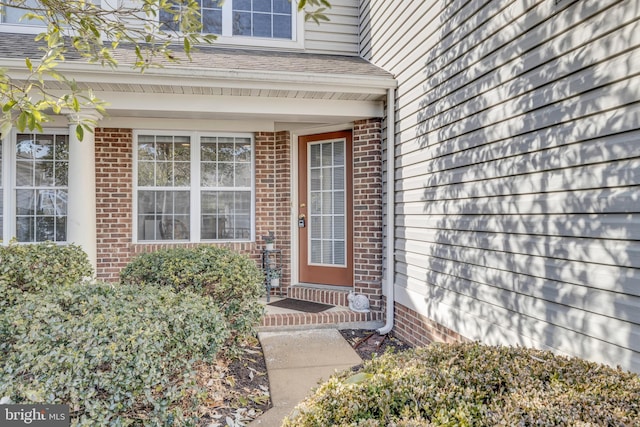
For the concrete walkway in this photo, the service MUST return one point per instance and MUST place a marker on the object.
(296, 362)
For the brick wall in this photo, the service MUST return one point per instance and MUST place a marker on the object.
(114, 200)
(283, 201)
(273, 194)
(367, 210)
(114, 193)
(419, 330)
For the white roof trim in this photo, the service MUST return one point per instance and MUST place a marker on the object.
(206, 77)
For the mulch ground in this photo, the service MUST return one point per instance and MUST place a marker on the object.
(238, 387)
(369, 343)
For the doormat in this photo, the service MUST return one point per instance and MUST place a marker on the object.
(299, 305)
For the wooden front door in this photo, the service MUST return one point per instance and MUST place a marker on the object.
(325, 211)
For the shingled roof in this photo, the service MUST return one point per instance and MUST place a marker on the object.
(18, 46)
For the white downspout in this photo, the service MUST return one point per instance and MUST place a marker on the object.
(390, 252)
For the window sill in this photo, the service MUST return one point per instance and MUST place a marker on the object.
(257, 42)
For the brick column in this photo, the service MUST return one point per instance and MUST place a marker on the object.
(367, 210)
(114, 208)
(283, 201)
(273, 194)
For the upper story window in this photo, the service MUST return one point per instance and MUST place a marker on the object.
(14, 15)
(270, 19)
(263, 18)
(210, 17)
(255, 23)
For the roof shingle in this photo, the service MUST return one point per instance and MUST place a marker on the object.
(17, 46)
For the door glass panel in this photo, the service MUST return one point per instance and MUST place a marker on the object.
(326, 179)
(315, 157)
(316, 251)
(327, 243)
(338, 172)
(338, 228)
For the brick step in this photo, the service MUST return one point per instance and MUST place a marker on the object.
(323, 296)
(337, 317)
(340, 319)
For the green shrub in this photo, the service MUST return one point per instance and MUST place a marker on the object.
(34, 267)
(116, 354)
(474, 385)
(234, 281)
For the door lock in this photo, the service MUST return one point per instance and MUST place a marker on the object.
(301, 221)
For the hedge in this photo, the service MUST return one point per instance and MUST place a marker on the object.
(117, 354)
(474, 385)
(36, 267)
(232, 280)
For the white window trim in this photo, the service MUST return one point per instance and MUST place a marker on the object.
(9, 182)
(4, 180)
(297, 31)
(195, 189)
(226, 39)
(20, 29)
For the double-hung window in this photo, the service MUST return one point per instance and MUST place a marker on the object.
(266, 19)
(260, 23)
(226, 171)
(263, 18)
(164, 179)
(194, 187)
(210, 16)
(41, 187)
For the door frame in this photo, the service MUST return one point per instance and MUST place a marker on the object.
(295, 237)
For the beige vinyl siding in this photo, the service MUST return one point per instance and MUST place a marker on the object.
(339, 36)
(517, 170)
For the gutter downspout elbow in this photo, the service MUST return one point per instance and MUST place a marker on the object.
(390, 252)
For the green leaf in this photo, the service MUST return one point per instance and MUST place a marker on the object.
(21, 123)
(79, 132)
(31, 120)
(29, 64)
(358, 378)
(9, 105)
